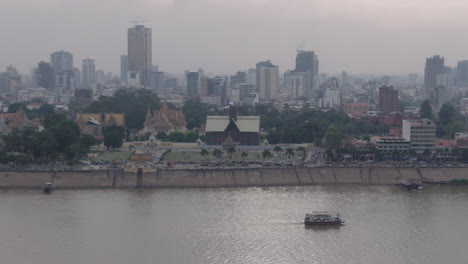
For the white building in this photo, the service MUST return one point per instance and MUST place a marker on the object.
(332, 98)
(88, 73)
(420, 133)
(268, 80)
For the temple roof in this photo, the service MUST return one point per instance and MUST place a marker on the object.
(244, 123)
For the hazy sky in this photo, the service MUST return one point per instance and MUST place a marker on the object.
(360, 36)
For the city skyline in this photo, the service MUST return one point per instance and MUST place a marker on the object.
(367, 39)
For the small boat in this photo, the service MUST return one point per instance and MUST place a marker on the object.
(48, 187)
(323, 218)
(411, 185)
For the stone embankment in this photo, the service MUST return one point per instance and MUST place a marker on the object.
(171, 178)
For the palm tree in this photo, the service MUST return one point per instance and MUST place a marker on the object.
(204, 152)
(289, 152)
(266, 154)
(231, 150)
(277, 150)
(217, 153)
(244, 155)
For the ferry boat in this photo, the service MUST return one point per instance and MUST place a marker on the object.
(48, 187)
(323, 218)
(411, 185)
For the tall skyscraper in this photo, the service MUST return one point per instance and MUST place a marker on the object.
(434, 66)
(123, 68)
(61, 61)
(88, 73)
(307, 61)
(267, 80)
(45, 76)
(462, 74)
(388, 99)
(140, 55)
(193, 84)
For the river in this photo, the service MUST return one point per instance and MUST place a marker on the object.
(384, 224)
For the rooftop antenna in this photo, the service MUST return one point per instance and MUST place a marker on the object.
(137, 22)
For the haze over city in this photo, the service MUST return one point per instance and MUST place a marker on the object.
(363, 36)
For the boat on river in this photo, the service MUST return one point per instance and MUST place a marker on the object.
(411, 184)
(48, 188)
(323, 218)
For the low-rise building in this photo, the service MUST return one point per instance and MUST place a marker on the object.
(392, 144)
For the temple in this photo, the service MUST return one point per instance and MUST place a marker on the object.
(167, 120)
(243, 130)
(93, 123)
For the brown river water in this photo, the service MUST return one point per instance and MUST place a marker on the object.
(384, 224)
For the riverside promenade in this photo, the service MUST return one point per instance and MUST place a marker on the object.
(200, 178)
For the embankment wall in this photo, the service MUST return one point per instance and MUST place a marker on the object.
(172, 178)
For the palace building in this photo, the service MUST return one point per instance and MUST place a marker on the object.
(243, 130)
(167, 120)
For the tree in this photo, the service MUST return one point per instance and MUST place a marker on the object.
(290, 152)
(334, 137)
(452, 128)
(191, 136)
(266, 154)
(277, 149)
(426, 110)
(113, 137)
(204, 152)
(231, 150)
(134, 104)
(244, 155)
(161, 135)
(217, 153)
(14, 107)
(446, 114)
(176, 136)
(195, 113)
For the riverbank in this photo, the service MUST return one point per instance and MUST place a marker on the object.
(199, 178)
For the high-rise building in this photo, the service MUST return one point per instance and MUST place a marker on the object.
(388, 99)
(307, 61)
(267, 80)
(298, 84)
(140, 55)
(217, 87)
(61, 61)
(45, 76)
(434, 66)
(193, 84)
(123, 68)
(237, 79)
(462, 73)
(88, 73)
(157, 81)
(344, 80)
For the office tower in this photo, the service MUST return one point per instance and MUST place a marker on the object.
(9, 80)
(88, 73)
(61, 61)
(344, 80)
(193, 84)
(157, 81)
(203, 91)
(217, 87)
(307, 61)
(123, 68)
(245, 90)
(332, 97)
(252, 76)
(140, 55)
(171, 83)
(298, 84)
(45, 76)
(267, 80)
(388, 99)
(434, 66)
(237, 79)
(462, 74)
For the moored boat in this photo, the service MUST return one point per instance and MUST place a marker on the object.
(323, 218)
(411, 184)
(48, 187)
